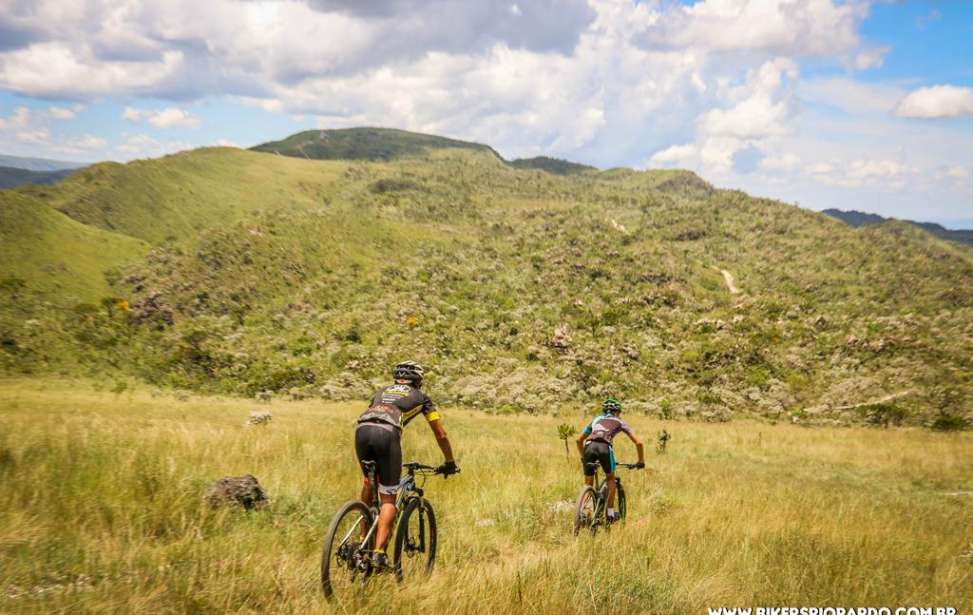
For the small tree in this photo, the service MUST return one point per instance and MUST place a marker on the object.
(663, 440)
(565, 431)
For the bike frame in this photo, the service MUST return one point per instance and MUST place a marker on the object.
(599, 483)
(407, 491)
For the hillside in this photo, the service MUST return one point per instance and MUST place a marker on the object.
(551, 165)
(43, 250)
(176, 197)
(522, 290)
(11, 177)
(375, 144)
(858, 218)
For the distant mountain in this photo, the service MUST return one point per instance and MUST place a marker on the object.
(11, 177)
(552, 165)
(859, 218)
(38, 164)
(385, 144)
(363, 144)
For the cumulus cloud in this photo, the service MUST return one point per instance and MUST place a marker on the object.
(785, 27)
(939, 101)
(64, 113)
(169, 117)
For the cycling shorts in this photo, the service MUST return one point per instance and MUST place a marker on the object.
(601, 453)
(381, 443)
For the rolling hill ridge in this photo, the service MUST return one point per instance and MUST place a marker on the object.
(253, 273)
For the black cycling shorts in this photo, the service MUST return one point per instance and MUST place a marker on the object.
(381, 444)
(601, 453)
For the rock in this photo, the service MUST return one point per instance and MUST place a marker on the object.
(242, 491)
(561, 506)
(259, 417)
(562, 337)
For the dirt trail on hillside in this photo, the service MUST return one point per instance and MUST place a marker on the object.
(730, 282)
(880, 400)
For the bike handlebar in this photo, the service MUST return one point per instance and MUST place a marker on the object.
(421, 468)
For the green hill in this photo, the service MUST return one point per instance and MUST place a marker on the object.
(551, 165)
(363, 144)
(175, 197)
(522, 290)
(41, 249)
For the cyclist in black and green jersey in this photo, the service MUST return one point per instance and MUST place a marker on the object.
(595, 446)
(377, 439)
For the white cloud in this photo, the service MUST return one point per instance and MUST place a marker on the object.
(676, 155)
(64, 113)
(938, 101)
(784, 162)
(763, 109)
(871, 58)
(170, 117)
(787, 27)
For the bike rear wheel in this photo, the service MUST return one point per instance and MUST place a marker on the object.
(415, 540)
(585, 510)
(622, 501)
(344, 562)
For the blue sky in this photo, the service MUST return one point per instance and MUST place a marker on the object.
(827, 103)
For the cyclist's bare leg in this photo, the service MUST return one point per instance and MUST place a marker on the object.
(366, 498)
(386, 517)
(611, 490)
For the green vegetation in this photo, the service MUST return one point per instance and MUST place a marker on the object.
(523, 290)
(551, 165)
(364, 144)
(101, 495)
(41, 249)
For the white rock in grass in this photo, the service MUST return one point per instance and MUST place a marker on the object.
(259, 417)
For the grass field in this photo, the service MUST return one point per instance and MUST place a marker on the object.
(101, 510)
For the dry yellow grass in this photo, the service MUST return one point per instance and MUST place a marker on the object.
(100, 501)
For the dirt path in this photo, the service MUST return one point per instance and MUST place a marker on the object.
(880, 400)
(730, 282)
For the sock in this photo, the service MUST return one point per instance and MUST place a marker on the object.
(611, 511)
(382, 551)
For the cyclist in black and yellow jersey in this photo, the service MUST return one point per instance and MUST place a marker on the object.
(378, 439)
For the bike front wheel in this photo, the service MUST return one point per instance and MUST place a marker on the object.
(415, 540)
(585, 510)
(344, 560)
(622, 501)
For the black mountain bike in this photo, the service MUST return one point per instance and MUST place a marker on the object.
(592, 508)
(346, 563)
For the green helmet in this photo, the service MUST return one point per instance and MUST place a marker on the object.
(611, 406)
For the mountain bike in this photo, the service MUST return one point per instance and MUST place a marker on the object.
(592, 508)
(346, 562)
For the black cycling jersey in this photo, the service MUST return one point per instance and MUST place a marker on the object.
(398, 404)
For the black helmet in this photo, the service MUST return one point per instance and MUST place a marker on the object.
(408, 370)
(611, 406)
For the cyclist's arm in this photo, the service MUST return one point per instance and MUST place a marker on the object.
(581, 436)
(638, 445)
(441, 439)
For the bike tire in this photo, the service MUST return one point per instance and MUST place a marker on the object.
(585, 510)
(411, 541)
(331, 568)
(622, 501)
